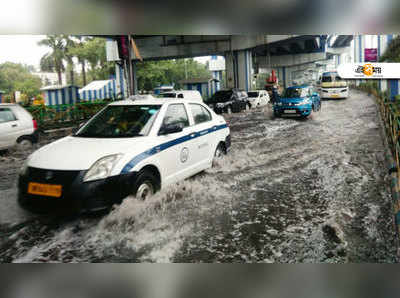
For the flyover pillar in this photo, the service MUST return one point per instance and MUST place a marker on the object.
(216, 68)
(134, 78)
(239, 70)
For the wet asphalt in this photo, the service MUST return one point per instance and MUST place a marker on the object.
(290, 191)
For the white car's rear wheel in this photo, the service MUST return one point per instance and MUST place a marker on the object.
(24, 144)
(219, 152)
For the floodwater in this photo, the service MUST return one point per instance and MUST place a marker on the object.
(290, 191)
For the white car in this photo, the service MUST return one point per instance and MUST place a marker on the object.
(185, 94)
(128, 148)
(258, 98)
(17, 127)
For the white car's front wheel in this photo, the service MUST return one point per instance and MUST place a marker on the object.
(146, 185)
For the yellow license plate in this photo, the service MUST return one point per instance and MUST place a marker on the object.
(49, 190)
(335, 95)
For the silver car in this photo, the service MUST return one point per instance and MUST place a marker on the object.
(17, 127)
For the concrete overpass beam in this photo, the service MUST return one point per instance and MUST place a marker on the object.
(291, 60)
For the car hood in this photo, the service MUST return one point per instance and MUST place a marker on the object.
(292, 100)
(76, 153)
(334, 84)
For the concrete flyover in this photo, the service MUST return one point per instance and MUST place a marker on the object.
(244, 54)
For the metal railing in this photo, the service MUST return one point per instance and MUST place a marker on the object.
(390, 114)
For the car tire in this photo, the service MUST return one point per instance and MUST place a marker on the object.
(24, 143)
(146, 185)
(219, 152)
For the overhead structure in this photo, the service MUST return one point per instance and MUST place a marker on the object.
(244, 54)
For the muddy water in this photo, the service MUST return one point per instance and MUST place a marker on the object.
(290, 191)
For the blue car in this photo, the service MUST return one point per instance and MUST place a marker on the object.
(299, 101)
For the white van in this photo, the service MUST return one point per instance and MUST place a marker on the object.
(186, 94)
(331, 86)
(17, 127)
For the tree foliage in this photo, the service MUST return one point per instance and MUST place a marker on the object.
(151, 74)
(392, 53)
(54, 60)
(90, 54)
(18, 77)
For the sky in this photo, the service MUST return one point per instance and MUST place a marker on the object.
(22, 49)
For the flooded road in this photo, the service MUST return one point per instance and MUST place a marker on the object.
(290, 191)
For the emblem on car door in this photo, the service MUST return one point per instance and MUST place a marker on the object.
(184, 154)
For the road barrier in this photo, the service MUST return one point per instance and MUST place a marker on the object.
(390, 119)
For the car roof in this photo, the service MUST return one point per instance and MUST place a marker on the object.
(298, 86)
(7, 104)
(154, 101)
(182, 91)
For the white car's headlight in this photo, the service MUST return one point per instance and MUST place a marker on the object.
(102, 168)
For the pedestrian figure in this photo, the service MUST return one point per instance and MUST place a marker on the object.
(275, 95)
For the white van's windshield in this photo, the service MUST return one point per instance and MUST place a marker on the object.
(121, 122)
(167, 95)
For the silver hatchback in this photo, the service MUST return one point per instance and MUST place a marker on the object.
(17, 127)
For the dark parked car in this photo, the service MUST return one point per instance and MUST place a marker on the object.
(229, 101)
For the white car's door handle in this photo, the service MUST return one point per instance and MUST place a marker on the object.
(192, 135)
(14, 125)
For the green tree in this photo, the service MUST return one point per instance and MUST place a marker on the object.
(78, 50)
(392, 53)
(69, 56)
(100, 68)
(17, 77)
(54, 60)
(150, 74)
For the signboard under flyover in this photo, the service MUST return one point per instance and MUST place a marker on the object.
(370, 55)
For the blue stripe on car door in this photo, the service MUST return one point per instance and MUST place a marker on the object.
(138, 158)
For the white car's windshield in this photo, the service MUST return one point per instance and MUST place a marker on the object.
(252, 94)
(121, 122)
